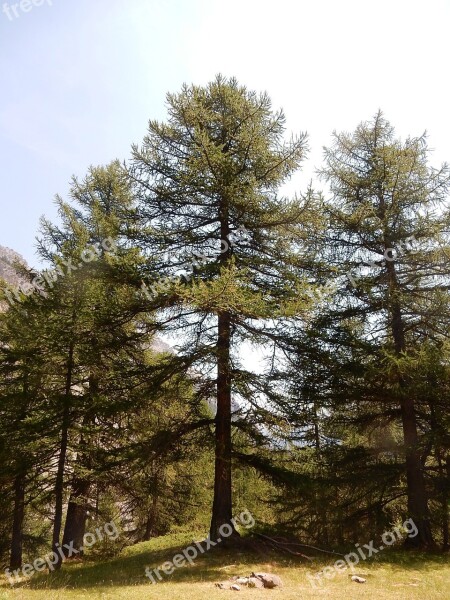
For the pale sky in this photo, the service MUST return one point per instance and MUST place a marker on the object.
(81, 79)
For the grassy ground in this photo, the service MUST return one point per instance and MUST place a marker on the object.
(395, 576)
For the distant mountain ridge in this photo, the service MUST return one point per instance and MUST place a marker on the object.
(7, 272)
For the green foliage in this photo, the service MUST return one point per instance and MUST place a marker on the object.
(345, 293)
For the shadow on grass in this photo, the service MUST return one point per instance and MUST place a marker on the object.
(129, 568)
(413, 559)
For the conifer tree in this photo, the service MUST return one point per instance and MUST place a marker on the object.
(388, 249)
(213, 171)
(96, 313)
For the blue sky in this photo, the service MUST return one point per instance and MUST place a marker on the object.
(81, 78)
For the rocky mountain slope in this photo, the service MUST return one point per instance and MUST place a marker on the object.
(7, 272)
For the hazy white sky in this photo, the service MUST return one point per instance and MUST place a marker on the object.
(81, 78)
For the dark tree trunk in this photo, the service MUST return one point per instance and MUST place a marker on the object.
(445, 505)
(75, 526)
(222, 505)
(316, 429)
(415, 482)
(18, 519)
(19, 496)
(151, 520)
(59, 483)
(222, 511)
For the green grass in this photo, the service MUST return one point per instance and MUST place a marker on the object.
(394, 575)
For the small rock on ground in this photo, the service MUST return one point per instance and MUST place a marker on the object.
(269, 581)
(256, 580)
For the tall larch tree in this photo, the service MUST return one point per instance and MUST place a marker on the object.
(211, 216)
(388, 245)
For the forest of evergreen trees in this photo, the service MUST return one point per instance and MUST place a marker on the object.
(199, 343)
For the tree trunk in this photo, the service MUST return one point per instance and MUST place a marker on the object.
(445, 505)
(151, 519)
(415, 482)
(19, 496)
(18, 519)
(75, 526)
(222, 511)
(59, 483)
(222, 505)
